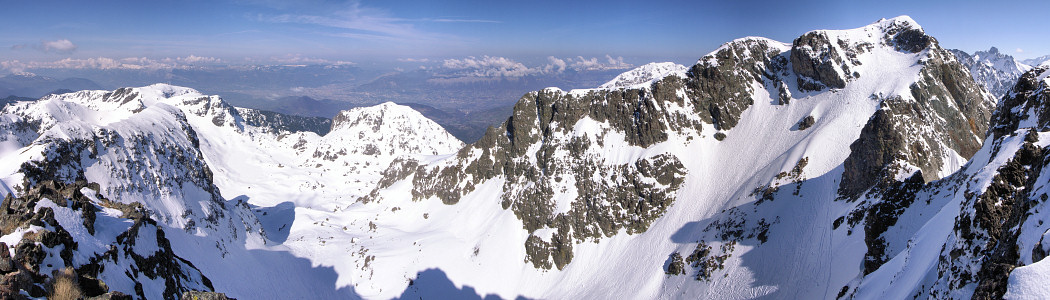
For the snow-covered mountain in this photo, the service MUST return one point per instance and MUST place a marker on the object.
(996, 71)
(185, 164)
(645, 75)
(1038, 61)
(863, 163)
(768, 169)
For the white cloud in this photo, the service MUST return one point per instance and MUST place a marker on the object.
(61, 46)
(488, 66)
(556, 65)
(1019, 50)
(105, 63)
(495, 66)
(594, 64)
(193, 59)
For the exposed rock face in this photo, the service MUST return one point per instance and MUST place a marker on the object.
(278, 122)
(676, 266)
(720, 84)
(819, 63)
(992, 211)
(45, 239)
(198, 295)
(993, 222)
(909, 39)
(805, 123)
(871, 154)
(825, 61)
(1024, 106)
(945, 116)
(539, 158)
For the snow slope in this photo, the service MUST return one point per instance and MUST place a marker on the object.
(645, 75)
(587, 193)
(192, 162)
(746, 246)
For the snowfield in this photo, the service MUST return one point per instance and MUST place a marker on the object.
(270, 214)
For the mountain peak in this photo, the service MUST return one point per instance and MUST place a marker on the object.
(165, 91)
(352, 116)
(903, 21)
(645, 75)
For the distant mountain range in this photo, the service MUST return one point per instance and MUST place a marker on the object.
(32, 86)
(1036, 61)
(997, 72)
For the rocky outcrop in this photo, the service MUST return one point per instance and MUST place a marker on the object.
(805, 123)
(539, 158)
(823, 60)
(45, 239)
(282, 123)
(994, 207)
(992, 221)
(945, 115)
(720, 84)
(198, 295)
(1024, 106)
(819, 62)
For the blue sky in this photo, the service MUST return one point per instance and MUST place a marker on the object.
(639, 31)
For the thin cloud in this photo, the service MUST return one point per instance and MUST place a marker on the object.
(297, 59)
(417, 60)
(366, 23)
(63, 46)
(461, 21)
(363, 20)
(106, 63)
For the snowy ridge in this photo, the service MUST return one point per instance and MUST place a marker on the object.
(645, 75)
(1038, 61)
(384, 126)
(721, 212)
(191, 161)
(957, 232)
(834, 166)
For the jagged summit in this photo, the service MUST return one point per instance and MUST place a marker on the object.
(1027, 105)
(997, 72)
